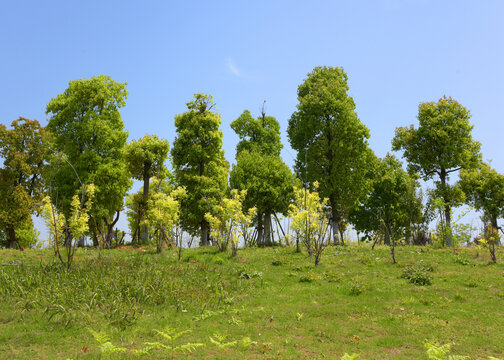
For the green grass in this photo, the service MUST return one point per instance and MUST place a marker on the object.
(264, 304)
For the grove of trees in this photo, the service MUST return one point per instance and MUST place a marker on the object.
(83, 165)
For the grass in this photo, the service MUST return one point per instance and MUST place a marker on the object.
(263, 304)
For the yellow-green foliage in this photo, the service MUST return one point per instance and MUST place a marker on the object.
(78, 223)
(308, 214)
(164, 210)
(228, 220)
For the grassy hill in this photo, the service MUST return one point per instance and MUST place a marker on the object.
(269, 303)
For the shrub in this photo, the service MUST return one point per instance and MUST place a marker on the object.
(418, 274)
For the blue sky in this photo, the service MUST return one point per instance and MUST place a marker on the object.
(396, 54)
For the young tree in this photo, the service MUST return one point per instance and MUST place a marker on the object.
(330, 140)
(484, 190)
(24, 157)
(310, 220)
(227, 220)
(260, 170)
(163, 213)
(441, 145)
(87, 128)
(145, 158)
(199, 163)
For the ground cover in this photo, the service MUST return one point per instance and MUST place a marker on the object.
(269, 303)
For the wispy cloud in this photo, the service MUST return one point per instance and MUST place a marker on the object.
(230, 64)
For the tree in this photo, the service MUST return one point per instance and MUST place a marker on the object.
(310, 220)
(164, 213)
(441, 145)
(145, 158)
(330, 140)
(87, 128)
(268, 183)
(484, 190)
(260, 170)
(392, 204)
(227, 220)
(24, 157)
(199, 163)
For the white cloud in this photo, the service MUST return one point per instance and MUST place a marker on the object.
(232, 67)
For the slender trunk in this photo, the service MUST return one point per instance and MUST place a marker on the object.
(496, 227)
(12, 237)
(110, 230)
(267, 230)
(204, 233)
(144, 231)
(259, 229)
(447, 209)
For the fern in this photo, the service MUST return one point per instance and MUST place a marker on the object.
(349, 357)
(219, 341)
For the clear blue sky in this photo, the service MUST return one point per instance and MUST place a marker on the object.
(396, 54)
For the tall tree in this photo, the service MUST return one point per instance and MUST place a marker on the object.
(330, 140)
(24, 157)
(484, 190)
(88, 129)
(199, 163)
(441, 145)
(261, 171)
(145, 158)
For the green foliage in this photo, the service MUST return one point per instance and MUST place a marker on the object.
(484, 190)
(146, 156)
(310, 220)
(329, 137)
(219, 340)
(393, 206)
(227, 221)
(418, 274)
(349, 357)
(24, 158)
(106, 346)
(441, 145)
(199, 162)
(88, 130)
(261, 135)
(441, 352)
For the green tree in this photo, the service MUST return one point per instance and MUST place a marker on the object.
(87, 128)
(261, 171)
(484, 190)
(199, 163)
(145, 158)
(268, 182)
(391, 206)
(441, 145)
(24, 157)
(330, 140)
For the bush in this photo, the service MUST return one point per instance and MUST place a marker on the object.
(418, 274)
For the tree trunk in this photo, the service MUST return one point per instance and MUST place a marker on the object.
(144, 231)
(386, 240)
(334, 222)
(267, 230)
(259, 229)
(204, 233)
(447, 209)
(12, 238)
